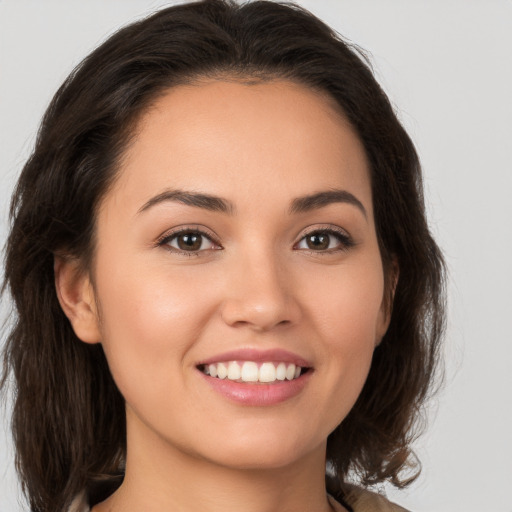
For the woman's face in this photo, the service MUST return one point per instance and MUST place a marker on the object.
(239, 234)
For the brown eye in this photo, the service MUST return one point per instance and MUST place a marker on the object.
(318, 241)
(189, 241)
(326, 241)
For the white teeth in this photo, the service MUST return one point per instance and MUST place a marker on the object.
(222, 371)
(234, 371)
(249, 371)
(290, 372)
(281, 371)
(267, 372)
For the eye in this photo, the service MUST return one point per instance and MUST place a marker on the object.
(327, 240)
(189, 241)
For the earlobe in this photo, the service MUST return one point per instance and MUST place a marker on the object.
(76, 298)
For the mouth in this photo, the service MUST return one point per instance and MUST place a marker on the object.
(255, 377)
(254, 372)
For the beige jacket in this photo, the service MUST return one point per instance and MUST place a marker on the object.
(362, 500)
(359, 499)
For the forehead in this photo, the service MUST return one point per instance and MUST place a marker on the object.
(228, 137)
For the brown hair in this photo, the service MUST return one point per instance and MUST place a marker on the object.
(68, 417)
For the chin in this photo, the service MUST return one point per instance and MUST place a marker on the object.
(257, 454)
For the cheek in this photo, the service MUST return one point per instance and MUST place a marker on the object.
(346, 302)
(346, 309)
(149, 321)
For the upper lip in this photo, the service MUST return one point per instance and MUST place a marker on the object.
(258, 356)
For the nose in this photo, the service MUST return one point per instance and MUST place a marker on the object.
(260, 294)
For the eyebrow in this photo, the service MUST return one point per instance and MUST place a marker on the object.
(205, 201)
(213, 203)
(320, 199)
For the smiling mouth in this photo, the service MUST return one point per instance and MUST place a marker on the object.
(253, 372)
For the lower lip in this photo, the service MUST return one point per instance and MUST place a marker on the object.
(254, 394)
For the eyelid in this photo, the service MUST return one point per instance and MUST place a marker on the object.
(168, 235)
(345, 239)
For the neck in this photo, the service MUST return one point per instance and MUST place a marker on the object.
(160, 477)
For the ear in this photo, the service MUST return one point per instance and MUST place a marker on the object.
(390, 282)
(76, 298)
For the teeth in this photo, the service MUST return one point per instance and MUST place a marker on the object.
(222, 371)
(267, 372)
(249, 371)
(290, 372)
(281, 371)
(234, 371)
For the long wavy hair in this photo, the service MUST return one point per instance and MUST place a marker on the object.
(68, 417)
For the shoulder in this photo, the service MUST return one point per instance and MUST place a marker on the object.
(362, 500)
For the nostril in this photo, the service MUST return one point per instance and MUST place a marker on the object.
(259, 300)
(261, 317)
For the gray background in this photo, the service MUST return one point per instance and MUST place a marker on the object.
(447, 65)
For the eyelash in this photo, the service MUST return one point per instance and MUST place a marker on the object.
(344, 240)
(167, 238)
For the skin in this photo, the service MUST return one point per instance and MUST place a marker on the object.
(158, 311)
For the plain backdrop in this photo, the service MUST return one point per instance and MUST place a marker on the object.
(447, 66)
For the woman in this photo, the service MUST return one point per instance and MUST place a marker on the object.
(222, 273)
